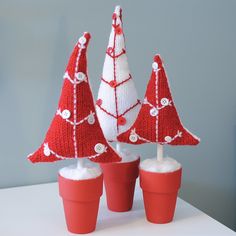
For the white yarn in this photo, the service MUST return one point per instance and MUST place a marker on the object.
(166, 165)
(127, 156)
(126, 93)
(74, 173)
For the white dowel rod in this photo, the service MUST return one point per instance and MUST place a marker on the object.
(80, 163)
(159, 152)
(118, 147)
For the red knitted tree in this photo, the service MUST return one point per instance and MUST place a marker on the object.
(75, 131)
(158, 120)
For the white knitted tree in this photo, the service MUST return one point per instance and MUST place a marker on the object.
(117, 104)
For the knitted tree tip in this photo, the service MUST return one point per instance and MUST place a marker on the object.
(117, 105)
(75, 131)
(117, 13)
(158, 120)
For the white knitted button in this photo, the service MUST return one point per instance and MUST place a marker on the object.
(80, 76)
(82, 40)
(168, 139)
(46, 151)
(65, 114)
(133, 138)
(164, 101)
(99, 148)
(154, 66)
(153, 111)
(91, 119)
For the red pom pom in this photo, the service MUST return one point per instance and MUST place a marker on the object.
(121, 121)
(110, 50)
(99, 102)
(113, 83)
(118, 30)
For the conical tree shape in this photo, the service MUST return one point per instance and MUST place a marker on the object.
(75, 131)
(117, 104)
(158, 120)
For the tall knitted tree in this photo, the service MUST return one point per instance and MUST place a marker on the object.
(75, 133)
(117, 107)
(117, 104)
(158, 122)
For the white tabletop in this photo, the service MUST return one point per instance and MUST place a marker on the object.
(37, 211)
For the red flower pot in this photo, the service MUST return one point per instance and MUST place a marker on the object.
(120, 179)
(81, 201)
(160, 192)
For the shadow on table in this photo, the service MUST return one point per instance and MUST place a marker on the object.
(116, 219)
(183, 212)
(137, 214)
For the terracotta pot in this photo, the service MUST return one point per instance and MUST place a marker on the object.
(160, 192)
(120, 179)
(81, 201)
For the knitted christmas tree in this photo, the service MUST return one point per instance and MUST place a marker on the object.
(75, 131)
(158, 120)
(117, 104)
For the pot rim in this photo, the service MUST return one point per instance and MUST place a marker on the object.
(120, 163)
(160, 183)
(81, 190)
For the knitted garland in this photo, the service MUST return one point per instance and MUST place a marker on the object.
(158, 120)
(75, 131)
(117, 104)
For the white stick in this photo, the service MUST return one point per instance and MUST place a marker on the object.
(80, 163)
(118, 147)
(159, 152)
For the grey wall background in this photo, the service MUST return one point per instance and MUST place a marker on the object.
(195, 38)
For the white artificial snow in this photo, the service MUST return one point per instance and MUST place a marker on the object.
(127, 156)
(75, 172)
(168, 164)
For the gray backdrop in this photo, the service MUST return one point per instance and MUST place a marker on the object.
(195, 38)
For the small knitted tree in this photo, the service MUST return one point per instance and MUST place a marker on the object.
(117, 104)
(75, 131)
(158, 122)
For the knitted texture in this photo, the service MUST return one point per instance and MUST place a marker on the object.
(117, 104)
(158, 120)
(75, 131)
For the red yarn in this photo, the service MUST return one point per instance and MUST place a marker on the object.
(158, 120)
(113, 83)
(110, 52)
(118, 30)
(114, 74)
(99, 102)
(114, 16)
(64, 139)
(121, 120)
